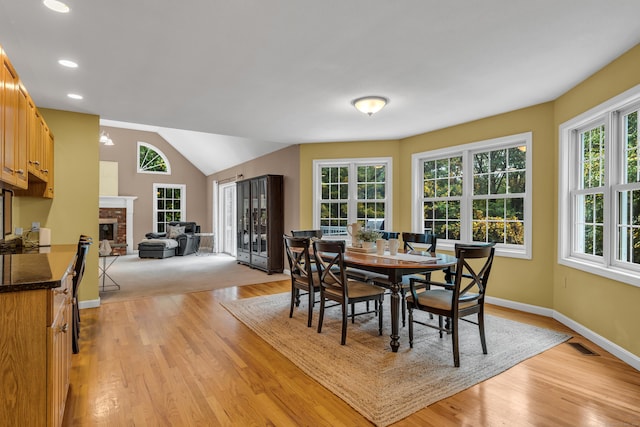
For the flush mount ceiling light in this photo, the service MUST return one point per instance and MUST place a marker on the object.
(369, 104)
(56, 6)
(105, 139)
(68, 63)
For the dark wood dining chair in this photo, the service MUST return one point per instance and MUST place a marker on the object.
(420, 280)
(78, 272)
(301, 269)
(307, 233)
(335, 286)
(464, 298)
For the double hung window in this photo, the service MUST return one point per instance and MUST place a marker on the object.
(169, 204)
(477, 192)
(352, 190)
(599, 190)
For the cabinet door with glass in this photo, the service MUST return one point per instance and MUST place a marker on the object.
(244, 221)
(261, 211)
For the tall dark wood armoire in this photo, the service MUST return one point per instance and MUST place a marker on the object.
(261, 223)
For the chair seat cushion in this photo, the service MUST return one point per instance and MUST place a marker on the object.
(441, 299)
(165, 243)
(357, 289)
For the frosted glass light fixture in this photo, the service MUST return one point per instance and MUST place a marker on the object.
(105, 139)
(370, 104)
(56, 6)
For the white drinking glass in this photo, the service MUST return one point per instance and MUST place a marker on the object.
(393, 246)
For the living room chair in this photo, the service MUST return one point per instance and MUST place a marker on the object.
(335, 286)
(465, 298)
(301, 269)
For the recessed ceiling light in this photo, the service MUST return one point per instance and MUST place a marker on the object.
(67, 63)
(74, 96)
(56, 6)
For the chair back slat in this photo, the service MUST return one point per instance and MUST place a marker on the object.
(473, 277)
(297, 250)
(386, 235)
(428, 239)
(329, 255)
(307, 233)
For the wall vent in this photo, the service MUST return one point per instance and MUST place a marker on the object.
(582, 349)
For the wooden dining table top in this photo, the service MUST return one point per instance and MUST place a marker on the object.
(401, 261)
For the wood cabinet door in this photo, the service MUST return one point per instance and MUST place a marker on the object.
(22, 139)
(10, 115)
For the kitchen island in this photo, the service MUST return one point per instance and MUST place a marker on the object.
(35, 337)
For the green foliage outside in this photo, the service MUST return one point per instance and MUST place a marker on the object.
(150, 160)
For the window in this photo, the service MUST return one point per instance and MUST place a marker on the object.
(348, 191)
(478, 192)
(169, 201)
(152, 160)
(599, 190)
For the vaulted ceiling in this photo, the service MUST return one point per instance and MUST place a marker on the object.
(228, 81)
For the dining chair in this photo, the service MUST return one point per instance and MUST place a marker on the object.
(78, 272)
(336, 286)
(420, 280)
(386, 235)
(307, 233)
(464, 298)
(301, 269)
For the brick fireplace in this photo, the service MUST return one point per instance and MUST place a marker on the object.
(113, 227)
(116, 223)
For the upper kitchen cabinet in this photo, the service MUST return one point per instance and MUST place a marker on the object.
(26, 143)
(13, 165)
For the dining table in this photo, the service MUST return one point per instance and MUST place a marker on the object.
(395, 267)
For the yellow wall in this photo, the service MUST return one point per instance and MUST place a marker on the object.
(507, 281)
(343, 150)
(74, 208)
(607, 307)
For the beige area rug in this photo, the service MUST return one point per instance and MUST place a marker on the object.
(385, 386)
(140, 277)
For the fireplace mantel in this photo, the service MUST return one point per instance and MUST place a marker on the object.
(122, 202)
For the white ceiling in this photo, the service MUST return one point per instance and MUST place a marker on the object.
(249, 77)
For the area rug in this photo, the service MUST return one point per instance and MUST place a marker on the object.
(383, 386)
(143, 277)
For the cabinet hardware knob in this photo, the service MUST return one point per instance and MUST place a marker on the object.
(20, 171)
(37, 163)
(64, 328)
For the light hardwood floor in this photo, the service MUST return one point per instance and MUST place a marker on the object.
(183, 360)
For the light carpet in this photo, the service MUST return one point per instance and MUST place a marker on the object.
(385, 386)
(142, 277)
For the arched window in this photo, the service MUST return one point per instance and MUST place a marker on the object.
(152, 160)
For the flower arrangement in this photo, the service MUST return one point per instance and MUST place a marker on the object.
(368, 235)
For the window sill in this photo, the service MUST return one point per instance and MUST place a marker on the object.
(613, 273)
(501, 251)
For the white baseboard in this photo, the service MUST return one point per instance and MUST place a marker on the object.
(89, 303)
(613, 348)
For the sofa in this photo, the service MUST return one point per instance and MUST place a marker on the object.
(180, 239)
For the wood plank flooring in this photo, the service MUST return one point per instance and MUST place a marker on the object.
(183, 360)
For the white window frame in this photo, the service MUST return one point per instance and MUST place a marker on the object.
(352, 164)
(606, 266)
(158, 152)
(467, 151)
(183, 201)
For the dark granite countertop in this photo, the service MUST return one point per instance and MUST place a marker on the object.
(37, 268)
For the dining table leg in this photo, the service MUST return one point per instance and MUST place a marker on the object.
(395, 316)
